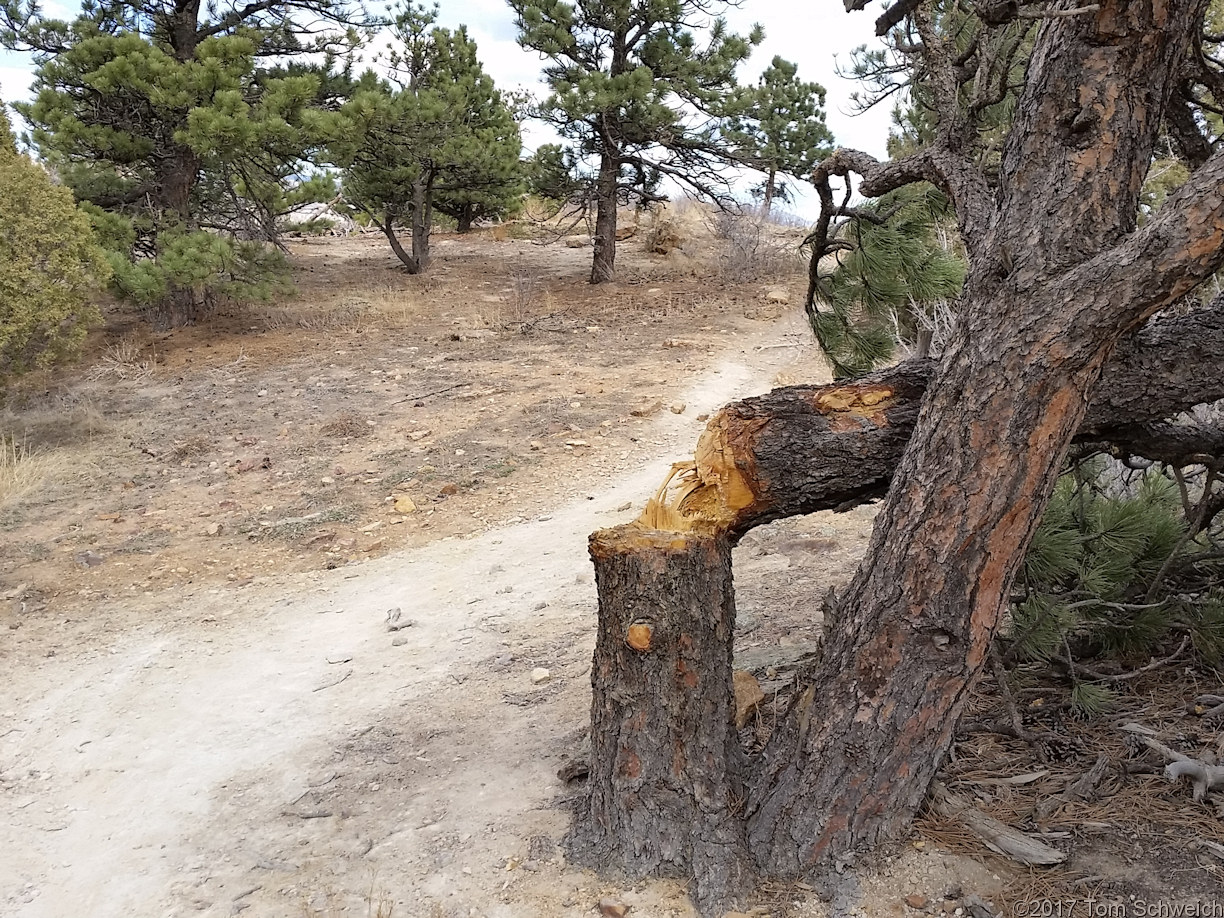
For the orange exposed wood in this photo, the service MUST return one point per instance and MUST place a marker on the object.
(639, 636)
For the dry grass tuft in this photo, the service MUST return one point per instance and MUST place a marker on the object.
(347, 425)
(191, 448)
(393, 307)
(24, 472)
(124, 360)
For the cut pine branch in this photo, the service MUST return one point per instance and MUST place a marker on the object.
(802, 449)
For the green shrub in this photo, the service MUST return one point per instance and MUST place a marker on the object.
(50, 264)
(1117, 575)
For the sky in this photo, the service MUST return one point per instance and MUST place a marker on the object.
(818, 35)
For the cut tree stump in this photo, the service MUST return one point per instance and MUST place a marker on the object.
(664, 750)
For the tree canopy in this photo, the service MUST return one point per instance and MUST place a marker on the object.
(635, 89)
(779, 128)
(186, 129)
(50, 265)
(439, 135)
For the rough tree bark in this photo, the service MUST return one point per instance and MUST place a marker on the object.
(1059, 274)
(603, 265)
(673, 755)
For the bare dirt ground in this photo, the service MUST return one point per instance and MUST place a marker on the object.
(273, 604)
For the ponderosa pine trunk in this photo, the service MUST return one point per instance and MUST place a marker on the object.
(677, 584)
(463, 223)
(1059, 274)
(767, 204)
(665, 759)
(422, 223)
(1055, 282)
(177, 175)
(603, 266)
(407, 259)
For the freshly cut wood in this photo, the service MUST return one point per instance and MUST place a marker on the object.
(668, 783)
(801, 449)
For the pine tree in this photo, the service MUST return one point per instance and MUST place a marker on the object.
(186, 128)
(779, 128)
(893, 271)
(633, 89)
(439, 136)
(1114, 571)
(50, 265)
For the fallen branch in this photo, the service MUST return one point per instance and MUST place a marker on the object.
(1208, 707)
(416, 398)
(997, 836)
(1204, 776)
(1082, 670)
(1080, 789)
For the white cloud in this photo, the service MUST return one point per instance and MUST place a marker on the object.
(15, 78)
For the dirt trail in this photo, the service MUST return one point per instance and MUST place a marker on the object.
(277, 749)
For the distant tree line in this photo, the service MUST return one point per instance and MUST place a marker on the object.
(189, 134)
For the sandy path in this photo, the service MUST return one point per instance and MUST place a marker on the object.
(277, 750)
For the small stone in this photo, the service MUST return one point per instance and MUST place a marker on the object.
(678, 408)
(376, 545)
(778, 295)
(448, 490)
(213, 529)
(536, 444)
(539, 605)
(704, 416)
(612, 908)
(916, 900)
(949, 906)
(575, 404)
(646, 410)
(88, 558)
(416, 435)
(540, 675)
(627, 505)
(404, 504)
(577, 443)
(327, 479)
(399, 640)
(396, 620)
